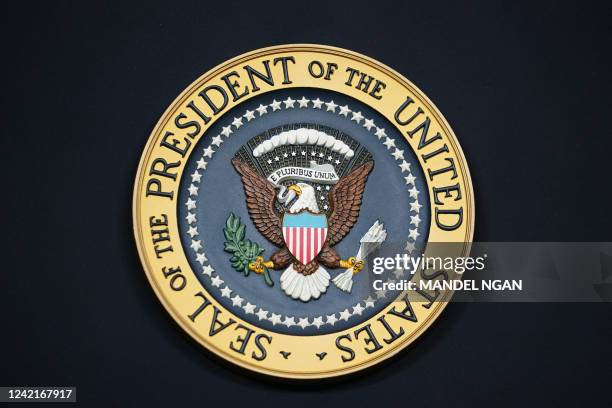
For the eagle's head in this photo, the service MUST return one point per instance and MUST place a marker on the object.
(306, 199)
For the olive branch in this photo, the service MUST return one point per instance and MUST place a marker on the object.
(244, 251)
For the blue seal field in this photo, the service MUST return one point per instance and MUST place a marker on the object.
(220, 191)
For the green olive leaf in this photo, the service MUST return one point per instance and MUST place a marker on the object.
(244, 251)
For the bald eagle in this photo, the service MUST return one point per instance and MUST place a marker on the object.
(304, 278)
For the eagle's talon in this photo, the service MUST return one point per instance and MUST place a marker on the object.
(351, 263)
(358, 267)
(259, 265)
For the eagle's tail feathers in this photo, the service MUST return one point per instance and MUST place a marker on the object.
(304, 287)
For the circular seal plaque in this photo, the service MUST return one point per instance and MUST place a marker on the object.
(265, 191)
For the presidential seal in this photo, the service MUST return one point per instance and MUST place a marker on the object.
(263, 191)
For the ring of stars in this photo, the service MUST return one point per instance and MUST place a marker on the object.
(198, 247)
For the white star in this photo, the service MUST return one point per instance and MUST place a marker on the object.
(276, 158)
(405, 166)
(303, 102)
(318, 188)
(275, 105)
(331, 106)
(289, 102)
(345, 314)
(344, 110)
(325, 207)
(201, 258)
(293, 154)
(285, 155)
(303, 323)
(303, 153)
(196, 244)
(357, 116)
(237, 122)
(368, 124)
(217, 141)
(313, 153)
(208, 152)
(317, 321)
(249, 308)
(322, 197)
(208, 270)
(380, 133)
(275, 319)
(381, 293)
(237, 300)
(398, 273)
(202, 164)
(191, 218)
(327, 187)
(289, 321)
(269, 161)
(227, 130)
(193, 190)
(331, 319)
(398, 154)
(195, 177)
(191, 204)
(226, 292)
(337, 161)
(410, 247)
(409, 179)
(317, 103)
(321, 154)
(413, 234)
(262, 314)
(357, 309)
(193, 231)
(249, 115)
(415, 219)
(369, 302)
(330, 158)
(413, 192)
(415, 206)
(262, 110)
(216, 281)
(389, 143)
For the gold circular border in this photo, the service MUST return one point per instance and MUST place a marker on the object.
(186, 325)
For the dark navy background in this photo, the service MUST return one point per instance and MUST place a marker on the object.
(525, 86)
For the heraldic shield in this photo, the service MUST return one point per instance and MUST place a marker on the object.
(305, 234)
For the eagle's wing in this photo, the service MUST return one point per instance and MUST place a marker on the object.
(345, 199)
(260, 196)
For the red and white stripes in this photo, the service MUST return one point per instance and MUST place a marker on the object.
(304, 243)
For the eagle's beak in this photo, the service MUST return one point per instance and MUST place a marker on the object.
(295, 188)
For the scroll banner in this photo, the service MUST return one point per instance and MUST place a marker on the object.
(324, 174)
